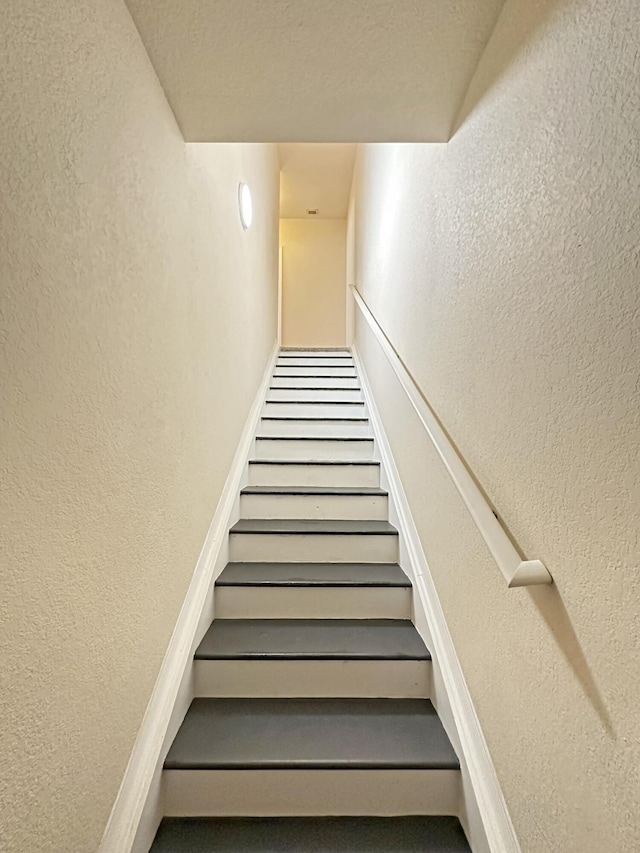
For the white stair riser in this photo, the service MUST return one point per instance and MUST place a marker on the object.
(310, 381)
(315, 428)
(321, 372)
(318, 353)
(308, 449)
(389, 679)
(314, 362)
(310, 792)
(313, 475)
(312, 602)
(315, 395)
(312, 548)
(363, 507)
(318, 410)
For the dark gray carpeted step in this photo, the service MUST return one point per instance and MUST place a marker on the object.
(311, 835)
(312, 639)
(313, 526)
(313, 574)
(314, 418)
(322, 734)
(310, 462)
(347, 491)
(353, 438)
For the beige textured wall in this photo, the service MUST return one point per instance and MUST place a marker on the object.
(137, 318)
(313, 282)
(505, 268)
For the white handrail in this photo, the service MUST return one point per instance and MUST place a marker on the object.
(516, 571)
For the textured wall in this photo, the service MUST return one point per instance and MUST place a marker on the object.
(505, 268)
(137, 318)
(313, 282)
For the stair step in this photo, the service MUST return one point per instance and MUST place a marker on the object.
(312, 734)
(300, 590)
(334, 438)
(313, 575)
(331, 396)
(312, 639)
(316, 419)
(312, 357)
(313, 426)
(311, 835)
(314, 526)
(313, 351)
(313, 490)
(309, 361)
(282, 472)
(294, 658)
(307, 408)
(314, 372)
(314, 502)
(306, 447)
(317, 539)
(326, 383)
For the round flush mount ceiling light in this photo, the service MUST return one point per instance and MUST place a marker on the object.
(245, 206)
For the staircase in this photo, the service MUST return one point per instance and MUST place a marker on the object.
(311, 729)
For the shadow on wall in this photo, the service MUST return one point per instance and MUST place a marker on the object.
(514, 31)
(551, 607)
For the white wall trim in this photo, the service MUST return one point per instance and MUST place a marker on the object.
(483, 811)
(280, 270)
(515, 570)
(137, 808)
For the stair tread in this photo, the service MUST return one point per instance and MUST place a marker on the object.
(367, 491)
(313, 574)
(310, 387)
(314, 418)
(315, 526)
(312, 639)
(323, 734)
(314, 462)
(314, 438)
(312, 352)
(311, 835)
(315, 402)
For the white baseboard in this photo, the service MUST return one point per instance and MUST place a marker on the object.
(137, 809)
(483, 810)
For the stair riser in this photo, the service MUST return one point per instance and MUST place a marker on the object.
(320, 372)
(363, 507)
(337, 352)
(315, 395)
(319, 602)
(312, 548)
(306, 449)
(402, 679)
(321, 382)
(310, 792)
(314, 475)
(314, 362)
(318, 410)
(324, 429)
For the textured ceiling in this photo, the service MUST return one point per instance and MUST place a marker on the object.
(315, 70)
(316, 176)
